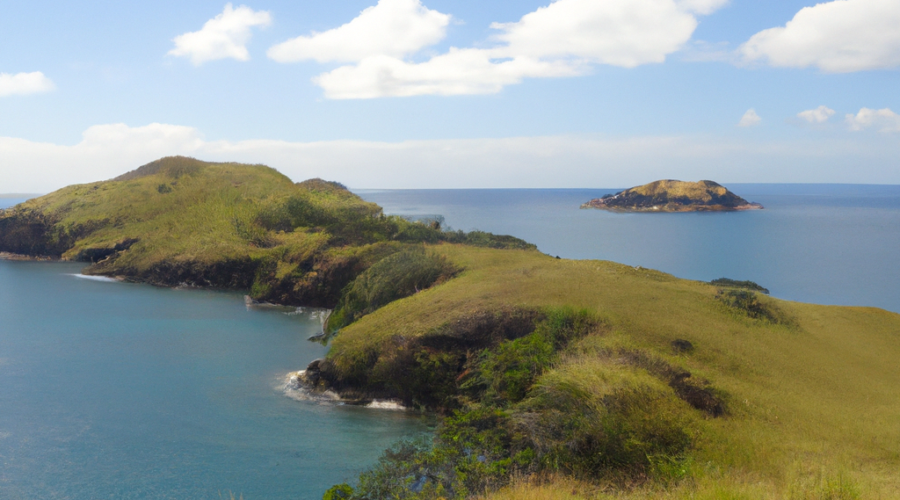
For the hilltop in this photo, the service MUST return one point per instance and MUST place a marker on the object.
(673, 196)
(178, 221)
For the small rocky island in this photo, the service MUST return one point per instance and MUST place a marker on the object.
(674, 196)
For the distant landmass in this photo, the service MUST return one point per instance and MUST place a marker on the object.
(674, 196)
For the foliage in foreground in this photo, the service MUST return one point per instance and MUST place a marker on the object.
(767, 404)
(541, 403)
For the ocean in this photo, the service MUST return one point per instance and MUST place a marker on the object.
(826, 244)
(111, 390)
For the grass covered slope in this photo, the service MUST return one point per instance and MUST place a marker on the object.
(180, 220)
(800, 402)
(673, 196)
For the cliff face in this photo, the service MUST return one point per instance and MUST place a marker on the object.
(674, 196)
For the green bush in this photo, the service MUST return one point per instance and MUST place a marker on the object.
(505, 374)
(596, 419)
(394, 277)
(749, 304)
(473, 451)
(748, 285)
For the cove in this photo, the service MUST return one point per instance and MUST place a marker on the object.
(118, 390)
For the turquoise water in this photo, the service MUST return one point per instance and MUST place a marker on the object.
(122, 391)
(827, 244)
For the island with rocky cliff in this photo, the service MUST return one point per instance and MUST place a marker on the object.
(674, 196)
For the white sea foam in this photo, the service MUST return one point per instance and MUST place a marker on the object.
(294, 389)
(104, 279)
(4, 435)
(385, 405)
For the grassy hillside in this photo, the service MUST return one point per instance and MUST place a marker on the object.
(183, 221)
(810, 395)
(554, 378)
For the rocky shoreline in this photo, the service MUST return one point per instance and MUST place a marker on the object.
(673, 196)
(306, 385)
(19, 256)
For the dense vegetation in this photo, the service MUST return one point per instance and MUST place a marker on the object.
(183, 221)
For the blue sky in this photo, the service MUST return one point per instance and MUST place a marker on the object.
(432, 93)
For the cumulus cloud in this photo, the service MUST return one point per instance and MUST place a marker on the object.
(837, 37)
(624, 33)
(818, 115)
(222, 37)
(459, 71)
(391, 28)
(750, 119)
(562, 39)
(24, 83)
(106, 151)
(883, 119)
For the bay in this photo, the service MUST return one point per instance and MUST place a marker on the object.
(120, 391)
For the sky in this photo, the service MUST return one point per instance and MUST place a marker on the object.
(454, 94)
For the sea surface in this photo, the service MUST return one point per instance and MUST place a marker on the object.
(827, 244)
(111, 390)
(118, 391)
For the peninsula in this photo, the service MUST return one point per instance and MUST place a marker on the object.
(590, 377)
(673, 196)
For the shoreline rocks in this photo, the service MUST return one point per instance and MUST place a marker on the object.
(674, 196)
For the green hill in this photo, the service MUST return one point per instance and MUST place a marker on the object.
(617, 382)
(183, 221)
(673, 196)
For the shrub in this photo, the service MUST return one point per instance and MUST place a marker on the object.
(473, 451)
(593, 419)
(749, 304)
(394, 277)
(505, 374)
(748, 285)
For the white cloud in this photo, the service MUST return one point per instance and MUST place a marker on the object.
(24, 83)
(562, 39)
(516, 162)
(883, 119)
(624, 33)
(460, 71)
(838, 37)
(222, 37)
(393, 28)
(818, 115)
(750, 119)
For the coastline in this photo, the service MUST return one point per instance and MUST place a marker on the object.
(672, 208)
(23, 257)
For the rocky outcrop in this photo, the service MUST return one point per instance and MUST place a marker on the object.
(674, 196)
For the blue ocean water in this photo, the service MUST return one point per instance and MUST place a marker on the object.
(120, 391)
(827, 244)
